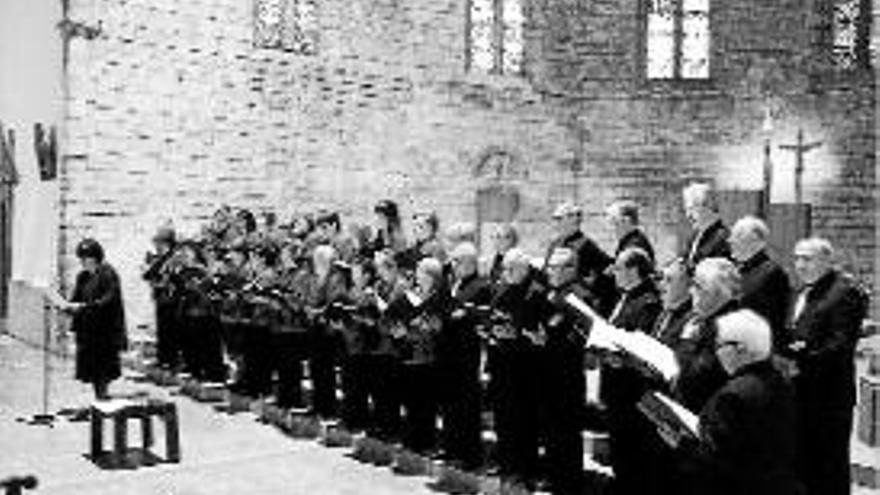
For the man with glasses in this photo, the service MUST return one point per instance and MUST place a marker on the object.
(825, 325)
(746, 435)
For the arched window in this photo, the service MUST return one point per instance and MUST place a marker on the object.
(288, 25)
(677, 39)
(495, 36)
(850, 34)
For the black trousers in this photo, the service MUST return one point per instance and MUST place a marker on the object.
(563, 388)
(462, 414)
(636, 448)
(823, 450)
(420, 399)
(289, 350)
(323, 358)
(167, 335)
(514, 393)
(383, 383)
(355, 391)
(203, 348)
(257, 360)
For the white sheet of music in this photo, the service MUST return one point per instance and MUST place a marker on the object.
(603, 335)
(689, 419)
(413, 298)
(652, 351)
(381, 304)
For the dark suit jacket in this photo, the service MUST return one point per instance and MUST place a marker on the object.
(670, 323)
(459, 344)
(636, 239)
(638, 308)
(830, 324)
(747, 436)
(713, 243)
(638, 312)
(767, 291)
(592, 263)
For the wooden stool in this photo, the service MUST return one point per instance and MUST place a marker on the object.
(120, 411)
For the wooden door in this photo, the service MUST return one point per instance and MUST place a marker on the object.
(496, 204)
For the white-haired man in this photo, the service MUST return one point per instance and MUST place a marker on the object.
(765, 285)
(747, 428)
(826, 321)
(715, 291)
(458, 355)
(710, 235)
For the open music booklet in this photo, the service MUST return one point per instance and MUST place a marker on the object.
(669, 416)
(644, 348)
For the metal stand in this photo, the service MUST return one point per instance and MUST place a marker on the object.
(45, 418)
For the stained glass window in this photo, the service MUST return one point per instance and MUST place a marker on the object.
(846, 33)
(482, 35)
(512, 21)
(495, 37)
(289, 25)
(661, 39)
(677, 39)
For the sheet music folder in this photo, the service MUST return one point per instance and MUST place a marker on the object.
(54, 298)
(670, 417)
(645, 349)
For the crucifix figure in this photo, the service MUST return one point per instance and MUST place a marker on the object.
(800, 149)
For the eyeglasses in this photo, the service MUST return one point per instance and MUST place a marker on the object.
(724, 343)
(560, 267)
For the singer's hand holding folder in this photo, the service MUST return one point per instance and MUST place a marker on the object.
(644, 348)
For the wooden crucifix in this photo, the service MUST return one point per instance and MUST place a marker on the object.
(799, 149)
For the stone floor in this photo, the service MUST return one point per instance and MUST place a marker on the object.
(221, 453)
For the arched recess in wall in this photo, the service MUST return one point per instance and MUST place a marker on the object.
(496, 171)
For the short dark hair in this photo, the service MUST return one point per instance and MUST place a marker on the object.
(90, 248)
(269, 252)
(247, 218)
(389, 210)
(638, 258)
(329, 217)
(629, 210)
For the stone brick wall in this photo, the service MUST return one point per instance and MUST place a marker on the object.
(172, 111)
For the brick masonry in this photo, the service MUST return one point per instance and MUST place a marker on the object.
(172, 111)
